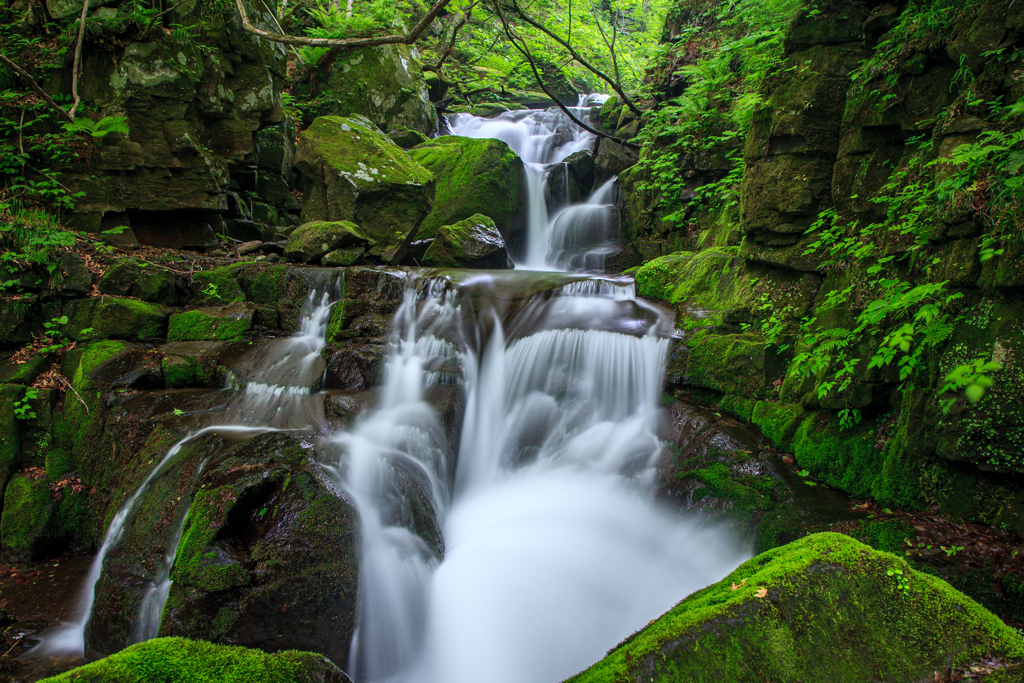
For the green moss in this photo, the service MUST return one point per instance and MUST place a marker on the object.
(176, 660)
(268, 285)
(108, 317)
(474, 176)
(218, 286)
(746, 492)
(778, 421)
(833, 609)
(195, 563)
(732, 364)
(210, 325)
(845, 459)
(311, 242)
(742, 408)
(58, 463)
(27, 509)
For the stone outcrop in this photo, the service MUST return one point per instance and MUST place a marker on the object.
(354, 173)
(472, 243)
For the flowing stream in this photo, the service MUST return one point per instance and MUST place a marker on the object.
(524, 542)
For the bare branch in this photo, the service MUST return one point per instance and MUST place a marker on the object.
(520, 45)
(37, 88)
(288, 39)
(78, 61)
(578, 57)
(459, 23)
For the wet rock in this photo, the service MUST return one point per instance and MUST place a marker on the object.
(354, 173)
(27, 508)
(269, 555)
(581, 167)
(372, 295)
(311, 242)
(474, 177)
(344, 257)
(472, 243)
(224, 323)
(822, 608)
(611, 160)
(407, 139)
(355, 367)
(109, 317)
(135, 278)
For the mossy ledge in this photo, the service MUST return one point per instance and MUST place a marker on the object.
(177, 660)
(832, 609)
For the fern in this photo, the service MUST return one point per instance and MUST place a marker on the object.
(102, 128)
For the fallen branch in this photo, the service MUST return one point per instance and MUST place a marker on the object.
(287, 39)
(68, 385)
(37, 88)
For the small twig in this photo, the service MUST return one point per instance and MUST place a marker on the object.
(69, 386)
(21, 126)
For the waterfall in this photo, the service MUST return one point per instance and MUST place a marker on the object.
(524, 551)
(267, 401)
(560, 238)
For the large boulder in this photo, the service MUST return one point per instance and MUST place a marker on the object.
(385, 84)
(268, 556)
(354, 173)
(177, 660)
(611, 160)
(824, 608)
(134, 278)
(474, 176)
(472, 243)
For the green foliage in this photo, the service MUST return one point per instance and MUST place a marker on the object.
(713, 114)
(98, 129)
(23, 406)
(369, 17)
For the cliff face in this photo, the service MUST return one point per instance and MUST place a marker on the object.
(856, 289)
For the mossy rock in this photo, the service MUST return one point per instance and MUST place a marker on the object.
(108, 317)
(311, 242)
(262, 531)
(472, 243)
(135, 278)
(177, 660)
(218, 286)
(778, 421)
(825, 607)
(474, 176)
(27, 510)
(22, 373)
(385, 84)
(354, 173)
(226, 323)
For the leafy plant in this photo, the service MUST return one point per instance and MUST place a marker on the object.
(23, 406)
(98, 129)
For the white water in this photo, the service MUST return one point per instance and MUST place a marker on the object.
(559, 238)
(553, 548)
(256, 410)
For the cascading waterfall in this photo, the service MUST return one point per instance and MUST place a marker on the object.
(541, 547)
(574, 238)
(286, 372)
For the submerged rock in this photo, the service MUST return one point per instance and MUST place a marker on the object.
(474, 176)
(268, 556)
(824, 608)
(472, 243)
(177, 660)
(354, 173)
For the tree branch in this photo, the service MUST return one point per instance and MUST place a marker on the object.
(578, 57)
(37, 88)
(524, 50)
(78, 61)
(459, 23)
(287, 39)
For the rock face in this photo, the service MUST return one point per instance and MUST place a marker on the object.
(823, 608)
(134, 278)
(178, 659)
(354, 173)
(472, 243)
(268, 555)
(385, 84)
(611, 160)
(474, 176)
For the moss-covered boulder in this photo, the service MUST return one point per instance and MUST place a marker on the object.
(311, 242)
(472, 243)
(223, 323)
(268, 555)
(474, 176)
(825, 607)
(354, 173)
(135, 278)
(385, 84)
(26, 512)
(177, 660)
(109, 317)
